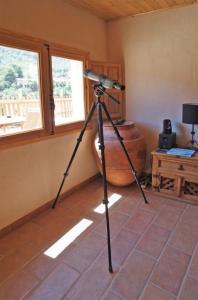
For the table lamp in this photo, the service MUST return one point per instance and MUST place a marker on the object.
(190, 116)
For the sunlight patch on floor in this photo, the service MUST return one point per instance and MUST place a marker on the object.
(60, 245)
(100, 209)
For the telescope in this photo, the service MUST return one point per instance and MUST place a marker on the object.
(104, 80)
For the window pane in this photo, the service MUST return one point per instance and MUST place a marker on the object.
(20, 101)
(68, 90)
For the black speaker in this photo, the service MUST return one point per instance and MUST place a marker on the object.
(167, 128)
(167, 140)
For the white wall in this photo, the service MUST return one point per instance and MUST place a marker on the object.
(160, 54)
(30, 175)
(56, 21)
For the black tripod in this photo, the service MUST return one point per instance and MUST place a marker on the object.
(99, 105)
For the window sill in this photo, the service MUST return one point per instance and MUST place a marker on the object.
(39, 136)
(68, 127)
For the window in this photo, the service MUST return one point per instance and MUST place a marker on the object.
(20, 97)
(42, 89)
(68, 90)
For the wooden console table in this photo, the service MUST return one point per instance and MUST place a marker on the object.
(175, 176)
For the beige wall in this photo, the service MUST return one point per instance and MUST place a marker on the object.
(160, 53)
(30, 175)
(56, 21)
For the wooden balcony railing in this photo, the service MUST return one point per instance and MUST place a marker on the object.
(20, 107)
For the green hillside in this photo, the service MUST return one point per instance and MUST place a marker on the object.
(19, 74)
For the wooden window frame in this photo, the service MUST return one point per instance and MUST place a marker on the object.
(69, 53)
(45, 50)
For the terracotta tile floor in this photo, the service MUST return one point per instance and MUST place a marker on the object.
(154, 250)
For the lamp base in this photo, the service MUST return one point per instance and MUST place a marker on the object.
(193, 145)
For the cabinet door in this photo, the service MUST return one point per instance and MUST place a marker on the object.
(190, 188)
(113, 71)
(168, 183)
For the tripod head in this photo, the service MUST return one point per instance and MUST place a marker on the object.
(100, 90)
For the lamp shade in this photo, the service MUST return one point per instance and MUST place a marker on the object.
(190, 113)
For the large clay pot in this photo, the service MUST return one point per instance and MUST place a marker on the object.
(117, 166)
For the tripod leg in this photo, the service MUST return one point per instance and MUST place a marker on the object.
(125, 151)
(79, 139)
(105, 201)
